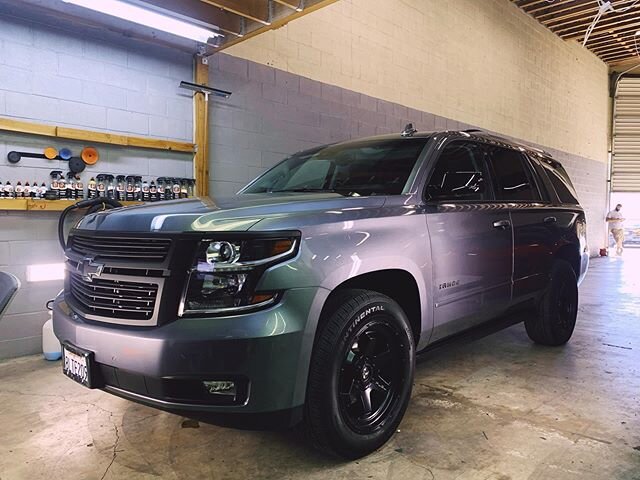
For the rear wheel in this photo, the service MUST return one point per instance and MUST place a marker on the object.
(558, 308)
(361, 374)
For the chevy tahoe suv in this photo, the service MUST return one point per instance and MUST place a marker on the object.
(304, 299)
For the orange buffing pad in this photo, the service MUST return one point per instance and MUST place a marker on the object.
(50, 153)
(90, 155)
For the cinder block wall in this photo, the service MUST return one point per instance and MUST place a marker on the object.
(362, 67)
(74, 78)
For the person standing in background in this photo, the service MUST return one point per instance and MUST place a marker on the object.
(615, 219)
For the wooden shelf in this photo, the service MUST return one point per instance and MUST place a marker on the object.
(91, 136)
(28, 204)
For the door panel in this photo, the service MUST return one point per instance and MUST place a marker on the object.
(472, 263)
(535, 232)
(534, 224)
(471, 240)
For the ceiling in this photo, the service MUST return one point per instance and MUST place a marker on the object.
(237, 20)
(613, 38)
(240, 19)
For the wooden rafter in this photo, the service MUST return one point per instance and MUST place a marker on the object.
(311, 6)
(292, 4)
(256, 10)
(613, 38)
(195, 9)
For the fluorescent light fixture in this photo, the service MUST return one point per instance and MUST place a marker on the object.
(148, 18)
(45, 272)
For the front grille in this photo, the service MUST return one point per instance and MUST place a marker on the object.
(121, 248)
(115, 299)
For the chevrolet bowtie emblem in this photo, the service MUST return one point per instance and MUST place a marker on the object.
(89, 269)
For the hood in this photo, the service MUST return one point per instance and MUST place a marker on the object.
(237, 213)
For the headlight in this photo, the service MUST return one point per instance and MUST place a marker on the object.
(225, 273)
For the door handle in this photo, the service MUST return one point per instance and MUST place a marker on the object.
(503, 224)
(550, 220)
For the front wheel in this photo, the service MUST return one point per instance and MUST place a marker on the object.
(361, 374)
(558, 308)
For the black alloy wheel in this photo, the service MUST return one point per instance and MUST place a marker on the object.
(371, 376)
(361, 374)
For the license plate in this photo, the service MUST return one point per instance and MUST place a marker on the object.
(76, 364)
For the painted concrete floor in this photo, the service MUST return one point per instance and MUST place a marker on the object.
(496, 408)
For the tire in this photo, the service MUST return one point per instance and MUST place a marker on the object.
(364, 349)
(558, 307)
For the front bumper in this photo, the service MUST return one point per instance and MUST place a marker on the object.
(266, 352)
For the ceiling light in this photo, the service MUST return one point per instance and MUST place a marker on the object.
(148, 18)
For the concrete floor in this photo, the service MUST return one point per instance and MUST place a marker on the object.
(497, 408)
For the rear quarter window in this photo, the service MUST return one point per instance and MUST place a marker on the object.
(561, 182)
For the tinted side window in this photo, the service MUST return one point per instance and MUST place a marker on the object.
(460, 173)
(513, 177)
(561, 182)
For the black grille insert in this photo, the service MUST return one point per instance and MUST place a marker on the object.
(121, 248)
(114, 298)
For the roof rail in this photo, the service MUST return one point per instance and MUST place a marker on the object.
(513, 142)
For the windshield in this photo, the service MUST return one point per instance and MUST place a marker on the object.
(369, 167)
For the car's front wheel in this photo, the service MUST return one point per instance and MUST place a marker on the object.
(361, 374)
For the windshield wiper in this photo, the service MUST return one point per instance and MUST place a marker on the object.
(311, 190)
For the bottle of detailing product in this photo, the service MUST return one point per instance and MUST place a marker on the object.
(137, 190)
(168, 189)
(153, 191)
(71, 187)
(101, 187)
(54, 182)
(111, 186)
(8, 190)
(129, 188)
(1, 190)
(62, 186)
(79, 187)
(183, 188)
(121, 189)
(145, 191)
(160, 185)
(26, 192)
(92, 189)
(35, 190)
(42, 191)
(19, 190)
(191, 188)
(176, 188)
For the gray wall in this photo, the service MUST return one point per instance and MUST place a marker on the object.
(273, 113)
(96, 81)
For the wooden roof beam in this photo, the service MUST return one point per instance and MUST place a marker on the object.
(605, 23)
(616, 57)
(536, 6)
(292, 4)
(195, 9)
(281, 20)
(570, 10)
(618, 47)
(608, 38)
(256, 10)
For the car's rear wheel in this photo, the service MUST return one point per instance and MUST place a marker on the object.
(361, 374)
(558, 308)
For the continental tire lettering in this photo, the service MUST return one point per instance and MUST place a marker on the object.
(369, 311)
